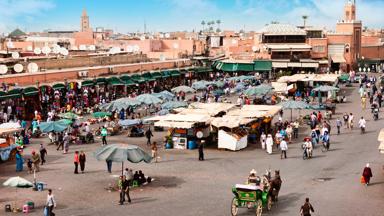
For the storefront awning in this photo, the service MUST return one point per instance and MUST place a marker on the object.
(279, 64)
(101, 80)
(309, 64)
(294, 64)
(58, 86)
(86, 83)
(30, 91)
(14, 93)
(127, 80)
(3, 95)
(262, 65)
(156, 75)
(165, 74)
(114, 81)
(338, 59)
(175, 73)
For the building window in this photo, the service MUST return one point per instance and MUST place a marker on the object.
(318, 49)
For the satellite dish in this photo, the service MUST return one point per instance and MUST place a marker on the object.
(129, 48)
(175, 46)
(63, 51)
(15, 55)
(10, 44)
(199, 134)
(29, 48)
(82, 47)
(92, 47)
(254, 48)
(3, 69)
(56, 49)
(142, 38)
(32, 67)
(37, 51)
(162, 57)
(18, 68)
(46, 50)
(167, 35)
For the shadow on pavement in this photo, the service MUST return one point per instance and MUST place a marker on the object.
(166, 182)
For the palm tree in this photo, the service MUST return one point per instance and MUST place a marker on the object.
(203, 24)
(305, 17)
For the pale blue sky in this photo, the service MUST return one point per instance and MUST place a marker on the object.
(171, 15)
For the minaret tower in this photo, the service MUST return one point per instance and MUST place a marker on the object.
(84, 21)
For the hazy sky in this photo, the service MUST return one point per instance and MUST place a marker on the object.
(171, 15)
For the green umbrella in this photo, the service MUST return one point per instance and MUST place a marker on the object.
(101, 114)
(199, 85)
(65, 121)
(148, 99)
(18, 182)
(262, 89)
(185, 89)
(69, 115)
(173, 105)
(121, 153)
(55, 126)
(219, 84)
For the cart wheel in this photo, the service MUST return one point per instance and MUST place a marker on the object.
(259, 207)
(269, 203)
(234, 207)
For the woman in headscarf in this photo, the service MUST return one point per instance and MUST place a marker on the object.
(269, 143)
(19, 161)
(367, 174)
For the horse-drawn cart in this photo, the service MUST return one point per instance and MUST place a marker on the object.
(250, 196)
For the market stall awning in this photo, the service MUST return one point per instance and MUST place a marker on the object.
(310, 64)
(86, 83)
(127, 80)
(148, 77)
(3, 95)
(156, 75)
(165, 74)
(138, 78)
(230, 121)
(338, 59)
(14, 93)
(115, 81)
(168, 124)
(279, 64)
(101, 80)
(262, 65)
(31, 91)
(175, 73)
(58, 86)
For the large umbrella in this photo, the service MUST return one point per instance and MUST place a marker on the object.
(129, 122)
(101, 114)
(185, 89)
(148, 99)
(219, 84)
(69, 115)
(218, 92)
(55, 126)
(165, 95)
(262, 89)
(119, 104)
(173, 105)
(242, 78)
(18, 182)
(10, 125)
(239, 87)
(121, 153)
(199, 85)
(291, 104)
(163, 112)
(65, 121)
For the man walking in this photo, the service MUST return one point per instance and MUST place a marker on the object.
(43, 153)
(124, 190)
(51, 203)
(76, 161)
(60, 140)
(104, 134)
(148, 134)
(201, 150)
(109, 166)
(36, 161)
(82, 160)
(338, 125)
(284, 148)
(307, 208)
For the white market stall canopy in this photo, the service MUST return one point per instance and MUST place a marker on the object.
(181, 120)
(169, 124)
(255, 111)
(230, 121)
(279, 87)
(309, 77)
(210, 109)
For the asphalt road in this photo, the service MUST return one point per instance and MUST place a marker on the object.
(185, 186)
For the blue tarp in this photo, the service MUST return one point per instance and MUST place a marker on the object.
(5, 152)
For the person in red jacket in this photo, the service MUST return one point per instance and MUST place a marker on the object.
(76, 161)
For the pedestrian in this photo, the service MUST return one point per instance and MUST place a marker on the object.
(19, 161)
(36, 161)
(104, 134)
(307, 208)
(350, 121)
(154, 151)
(82, 160)
(296, 125)
(124, 190)
(363, 102)
(60, 140)
(76, 161)
(43, 153)
(338, 125)
(201, 150)
(346, 117)
(269, 143)
(50, 204)
(109, 165)
(367, 174)
(362, 124)
(263, 137)
(289, 131)
(29, 165)
(148, 134)
(284, 149)
(66, 139)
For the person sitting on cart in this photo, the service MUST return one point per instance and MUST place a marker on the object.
(253, 179)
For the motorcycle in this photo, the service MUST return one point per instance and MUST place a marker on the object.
(307, 153)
